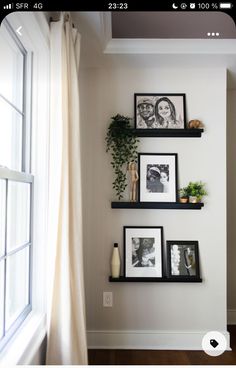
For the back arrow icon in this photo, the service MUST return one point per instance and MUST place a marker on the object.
(18, 31)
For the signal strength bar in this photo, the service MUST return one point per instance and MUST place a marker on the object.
(8, 6)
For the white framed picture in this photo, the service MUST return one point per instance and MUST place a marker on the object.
(143, 251)
(157, 177)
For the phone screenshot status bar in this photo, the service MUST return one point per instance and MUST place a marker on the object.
(125, 6)
(112, 5)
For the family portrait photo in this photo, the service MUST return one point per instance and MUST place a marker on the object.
(160, 111)
(183, 258)
(158, 177)
(143, 251)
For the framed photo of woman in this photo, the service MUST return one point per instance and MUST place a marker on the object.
(157, 177)
(160, 111)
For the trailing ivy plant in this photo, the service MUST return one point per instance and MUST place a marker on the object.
(123, 143)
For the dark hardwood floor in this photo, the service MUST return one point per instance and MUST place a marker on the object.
(163, 357)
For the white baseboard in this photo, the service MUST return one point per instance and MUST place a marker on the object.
(231, 316)
(151, 340)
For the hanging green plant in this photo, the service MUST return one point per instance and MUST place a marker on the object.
(123, 143)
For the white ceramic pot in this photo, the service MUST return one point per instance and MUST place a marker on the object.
(193, 199)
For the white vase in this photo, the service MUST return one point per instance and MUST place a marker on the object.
(115, 262)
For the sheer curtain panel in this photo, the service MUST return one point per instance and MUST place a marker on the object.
(66, 311)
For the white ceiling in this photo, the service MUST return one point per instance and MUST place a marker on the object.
(98, 49)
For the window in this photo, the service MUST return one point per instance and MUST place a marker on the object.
(16, 183)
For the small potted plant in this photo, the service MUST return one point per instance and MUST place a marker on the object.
(195, 191)
(183, 195)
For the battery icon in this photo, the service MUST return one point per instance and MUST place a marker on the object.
(225, 5)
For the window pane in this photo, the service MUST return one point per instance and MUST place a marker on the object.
(1, 296)
(18, 214)
(2, 215)
(11, 69)
(10, 137)
(17, 285)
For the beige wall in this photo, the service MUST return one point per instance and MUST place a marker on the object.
(155, 306)
(231, 203)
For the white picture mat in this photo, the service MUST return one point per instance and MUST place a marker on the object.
(157, 160)
(131, 271)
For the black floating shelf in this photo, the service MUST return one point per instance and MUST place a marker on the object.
(158, 205)
(154, 279)
(173, 133)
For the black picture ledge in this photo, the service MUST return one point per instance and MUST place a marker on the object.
(174, 133)
(158, 205)
(154, 279)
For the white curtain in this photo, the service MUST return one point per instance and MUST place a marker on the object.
(66, 311)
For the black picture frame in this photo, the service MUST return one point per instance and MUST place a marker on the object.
(160, 111)
(183, 259)
(158, 177)
(143, 252)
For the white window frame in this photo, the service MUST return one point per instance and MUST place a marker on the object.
(26, 342)
(22, 176)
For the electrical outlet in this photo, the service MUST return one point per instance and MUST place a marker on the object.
(107, 299)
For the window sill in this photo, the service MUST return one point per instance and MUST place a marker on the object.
(26, 341)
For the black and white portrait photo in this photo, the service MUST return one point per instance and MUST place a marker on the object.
(182, 257)
(157, 177)
(143, 251)
(160, 111)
